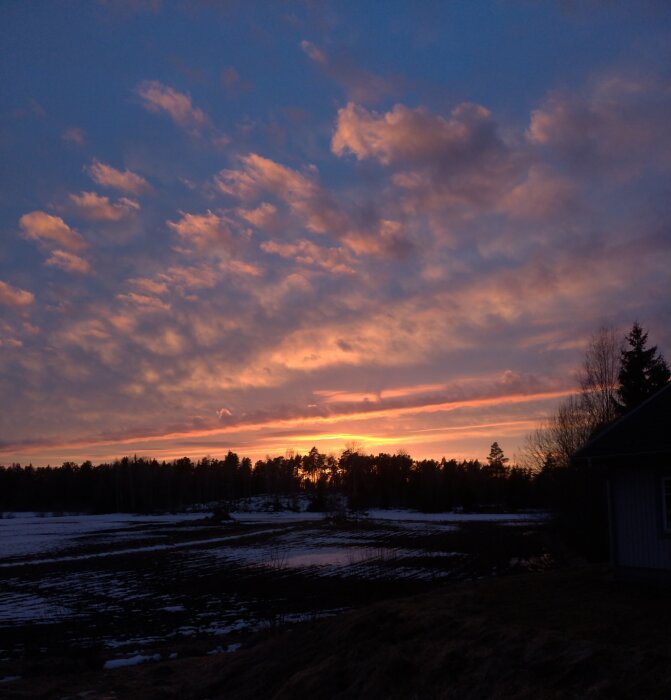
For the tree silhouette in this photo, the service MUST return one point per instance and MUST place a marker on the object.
(642, 370)
(496, 461)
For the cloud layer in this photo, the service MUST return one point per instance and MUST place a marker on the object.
(319, 226)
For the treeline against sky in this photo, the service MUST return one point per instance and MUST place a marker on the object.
(144, 485)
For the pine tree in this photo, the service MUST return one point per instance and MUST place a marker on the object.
(496, 461)
(642, 370)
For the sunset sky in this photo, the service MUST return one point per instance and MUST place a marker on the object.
(263, 226)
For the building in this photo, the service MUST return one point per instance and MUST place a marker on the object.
(635, 455)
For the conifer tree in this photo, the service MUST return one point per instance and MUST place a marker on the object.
(642, 370)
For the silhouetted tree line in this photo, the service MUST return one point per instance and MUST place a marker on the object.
(144, 485)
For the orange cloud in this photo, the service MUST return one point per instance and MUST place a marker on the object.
(144, 302)
(307, 421)
(408, 134)
(123, 180)
(43, 227)
(161, 98)
(148, 285)
(68, 262)
(92, 206)
(543, 194)
(203, 231)
(13, 296)
(317, 209)
(304, 252)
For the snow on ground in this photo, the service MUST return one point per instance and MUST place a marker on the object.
(133, 550)
(30, 534)
(416, 516)
(131, 661)
(25, 534)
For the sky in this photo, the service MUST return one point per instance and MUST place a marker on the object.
(263, 226)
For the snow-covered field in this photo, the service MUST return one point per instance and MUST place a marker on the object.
(25, 535)
(141, 587)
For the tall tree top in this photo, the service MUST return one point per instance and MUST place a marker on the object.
(643, 370)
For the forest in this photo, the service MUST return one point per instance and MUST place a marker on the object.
(614, 379)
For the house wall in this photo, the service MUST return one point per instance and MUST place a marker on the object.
(636, 507)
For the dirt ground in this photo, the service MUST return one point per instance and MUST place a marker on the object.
(568, 633)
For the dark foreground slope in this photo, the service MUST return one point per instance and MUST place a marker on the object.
(562, 634)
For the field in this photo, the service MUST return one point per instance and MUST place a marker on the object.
(100, 594)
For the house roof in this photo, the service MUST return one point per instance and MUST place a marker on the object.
(645, 430)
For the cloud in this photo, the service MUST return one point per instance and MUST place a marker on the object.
(416, 136)
(204, 231)
(302, 194)
(13, 296)
(68, 262)
(144, 302)
(240, 267)
(90, 205)
(544, 194)
(361, 85)
(74, 135)
(148, 285)
(263, 217)
(304, 252)
(184, 278)
(123, 180)
(45, 228)
(440, 163)
(618, 123)
(313, 53)
(162, 99)
(318, 210)
(230, 79)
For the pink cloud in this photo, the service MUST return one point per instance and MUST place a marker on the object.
(406, 135)
(240, 267)
(162, 99)
(75, 135)
(617, 122)
(304, 252)
(232, 82)
(45, 228)
(123, 180)
(263, 217)
(440, 163)
(313, 53)
(148, 285)
(361, 85)
(543, 194)
(204, 231)
(90, 205)
(318, 209)
(185, 278)
(178, 106)
(144, 302)
(68, 262)
(14, 296)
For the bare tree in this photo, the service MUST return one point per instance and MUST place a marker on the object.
(581, 415)
(570, 429)
(599, 378)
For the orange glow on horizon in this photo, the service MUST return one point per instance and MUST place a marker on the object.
(411, 436)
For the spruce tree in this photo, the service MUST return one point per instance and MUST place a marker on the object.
(642, 370)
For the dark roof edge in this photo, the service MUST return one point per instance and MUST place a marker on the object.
(599, 436)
